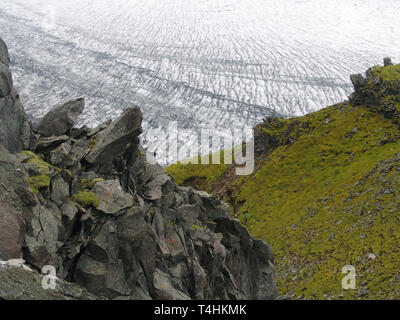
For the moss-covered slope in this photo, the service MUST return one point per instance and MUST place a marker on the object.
(325, 192)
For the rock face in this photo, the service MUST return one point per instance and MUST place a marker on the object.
(61, 119)
(111, 223)
(14, 126)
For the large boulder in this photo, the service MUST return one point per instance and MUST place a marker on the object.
(60, 120)
(112, 199)
(14, 126)
(114, 140)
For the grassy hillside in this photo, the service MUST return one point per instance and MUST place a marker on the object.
(325, 192)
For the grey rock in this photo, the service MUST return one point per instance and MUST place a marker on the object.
(4, 57)
(58, 155)
(114, 140)
(21, 284)
(12, 228)
(12, 117)
(358, 80)
(69, 213)
(41, 240)
(60, 120)
(187, 215)
(14, 127)
(112, 199)
(387, 62)
(91, 274)
(153, 190)
(59, 190)
(164, 289)
(51, 142)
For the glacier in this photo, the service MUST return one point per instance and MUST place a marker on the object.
(219, 65)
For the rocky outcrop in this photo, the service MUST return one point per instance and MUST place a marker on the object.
(88, 203)
(14, 126)
(61, 119)
(379, 89)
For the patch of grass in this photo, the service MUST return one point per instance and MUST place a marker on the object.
(195, 172)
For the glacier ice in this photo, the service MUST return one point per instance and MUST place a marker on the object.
(214, 64)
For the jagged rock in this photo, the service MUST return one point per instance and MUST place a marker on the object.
(69, 213)
(60, 120)
(91, 274)
(112, 199)
(99, 269)
(58, 155)
(387, 62)
(6, 84)
(187, 215)
(153, 190)
(42, 236)
(114, 140)
(12, 231)
(59, 190)
(78, 151)
(164, 289)
(358, 80)
(4, 57)
(13, 121)
(51, 142)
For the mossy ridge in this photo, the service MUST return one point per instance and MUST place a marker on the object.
(298, 198)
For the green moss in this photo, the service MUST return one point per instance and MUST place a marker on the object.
(86, 198)
(44, 168)
(197, 227)
(93, 182)
(169, 225)
(39, 182)
(93, 143)
(84, 181)
(201, 176)
(388, 73)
